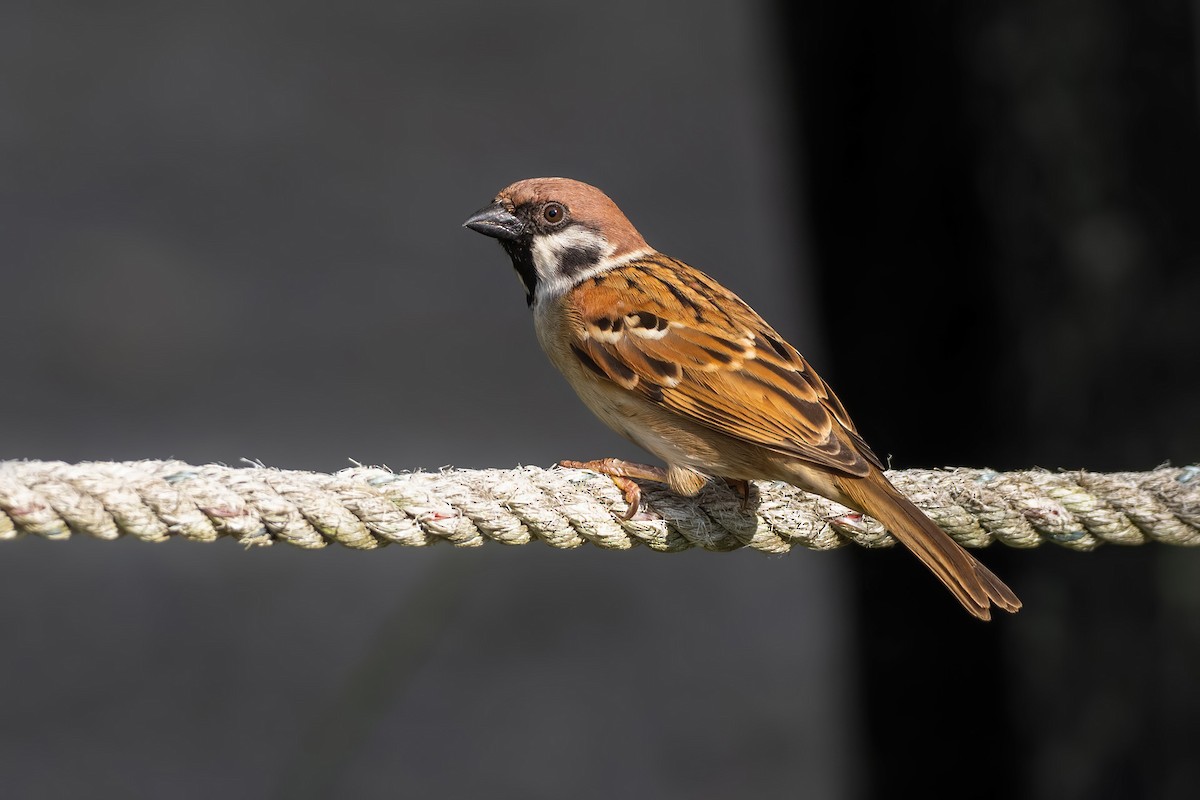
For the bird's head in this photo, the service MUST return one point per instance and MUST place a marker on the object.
(557, 232)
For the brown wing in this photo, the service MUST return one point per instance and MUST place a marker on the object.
(674, 335)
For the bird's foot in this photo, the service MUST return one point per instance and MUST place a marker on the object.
(622, 474)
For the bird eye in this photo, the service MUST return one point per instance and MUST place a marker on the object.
(553, 213)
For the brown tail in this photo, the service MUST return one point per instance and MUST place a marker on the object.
(971, 582)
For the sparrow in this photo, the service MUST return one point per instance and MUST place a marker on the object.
(678, 364)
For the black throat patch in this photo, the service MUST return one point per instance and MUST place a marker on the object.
(520, 252)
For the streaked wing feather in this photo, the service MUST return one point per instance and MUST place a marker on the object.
(711, 359)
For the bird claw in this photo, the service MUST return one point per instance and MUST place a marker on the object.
(622, 474)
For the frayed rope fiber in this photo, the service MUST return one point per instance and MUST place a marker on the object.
(365, 507)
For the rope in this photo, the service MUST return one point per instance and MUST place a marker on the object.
(365, 507)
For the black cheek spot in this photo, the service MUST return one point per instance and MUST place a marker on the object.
(577, 259)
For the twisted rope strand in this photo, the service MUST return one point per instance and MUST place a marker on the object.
(366, 507)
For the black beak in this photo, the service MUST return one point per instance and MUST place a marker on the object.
(497, 222)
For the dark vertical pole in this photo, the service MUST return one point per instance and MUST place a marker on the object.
(909, 311)
(1090, 157)
(1006, 220)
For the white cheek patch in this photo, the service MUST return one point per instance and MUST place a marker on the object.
(566, 258)
(565, 253)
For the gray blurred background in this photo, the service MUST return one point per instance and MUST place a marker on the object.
(231, 230)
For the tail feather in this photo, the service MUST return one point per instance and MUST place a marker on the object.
(970, 581)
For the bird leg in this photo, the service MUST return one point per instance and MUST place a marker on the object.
(622, 474)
